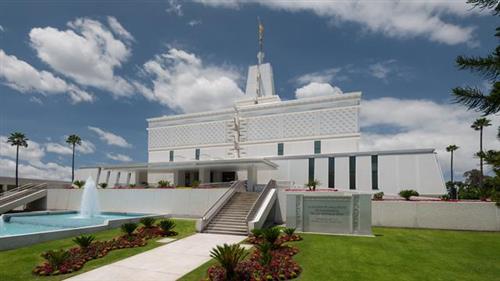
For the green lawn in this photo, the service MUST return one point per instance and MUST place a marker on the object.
(396, 254)
(17, 264)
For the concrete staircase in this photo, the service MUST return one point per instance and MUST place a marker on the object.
(231, 219)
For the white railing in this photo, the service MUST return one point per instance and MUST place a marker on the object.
(256, 205)
(21, 191)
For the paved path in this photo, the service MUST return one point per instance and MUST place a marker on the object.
(164, 263)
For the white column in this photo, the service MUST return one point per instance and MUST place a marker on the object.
(204, 175)
(251, 178)
(176, 178)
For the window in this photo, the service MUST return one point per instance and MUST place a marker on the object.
(280, 148)
(375, 172)
(331, 172)
(317, 147)
(171, 155)
(197, 154)
(352, 172)
(311, 169)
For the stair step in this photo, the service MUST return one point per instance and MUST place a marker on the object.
(229, 223)
(227, 232)
(226, 228)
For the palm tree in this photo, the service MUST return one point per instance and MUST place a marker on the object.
(479, 125)
(451, 148)
(73, 140)
(17, 139)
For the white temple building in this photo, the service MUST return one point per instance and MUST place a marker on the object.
(263, 137)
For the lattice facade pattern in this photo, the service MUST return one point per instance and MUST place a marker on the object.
(192, 134)
(303, 124)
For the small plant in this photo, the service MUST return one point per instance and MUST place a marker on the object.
(228, 256)
(312, 184)
(289, 231)
(132, 185)
(257, 232)
(163, 184)
(378, 196)
(79, 184)
(84, 241)
(266, 253)
(495, 197)
(271, 235)
(408, 193)
(196, 184)
(103, 185)
(167, 226)
(129, 228)
(148, 222)
(56, 258)
(445, 197)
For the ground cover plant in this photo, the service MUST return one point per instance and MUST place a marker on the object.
(270, 260)
(16, 264)
(394, 254)
(66, 261)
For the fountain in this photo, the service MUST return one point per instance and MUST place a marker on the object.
(1, 223)
(89, 206)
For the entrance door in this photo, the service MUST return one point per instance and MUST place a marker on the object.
(228, 176)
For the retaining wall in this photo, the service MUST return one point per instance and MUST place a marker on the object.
(176, 202)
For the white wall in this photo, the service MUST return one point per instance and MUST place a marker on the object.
(483, 216)
(177, 202)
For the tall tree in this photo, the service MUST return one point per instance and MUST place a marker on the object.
(17, 139)
(488, 67)
(479, 125)
(73, 140)
(451, 148)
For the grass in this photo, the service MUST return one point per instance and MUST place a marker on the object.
(395, 254)
(16, 265)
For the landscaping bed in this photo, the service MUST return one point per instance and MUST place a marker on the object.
(18, 264)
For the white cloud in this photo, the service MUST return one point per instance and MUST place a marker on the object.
(110, 138)
(23, 77)
(86, 147)
(119, 157)
(399, 19)
(425, 124)
(182, 82)
(175, 8)
(323, 76)
(315, 89)
(30, 162)
(118, 29)
(194, 22)
(381, 70)
(48, 170)
(87, 52)
(2, 29)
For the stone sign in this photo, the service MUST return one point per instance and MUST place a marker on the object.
(341, 213)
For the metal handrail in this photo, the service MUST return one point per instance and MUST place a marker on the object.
(22, 191)
(263, 194)
(232, 187)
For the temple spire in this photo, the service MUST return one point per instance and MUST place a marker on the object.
(260, 55)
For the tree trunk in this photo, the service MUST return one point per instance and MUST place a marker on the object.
(451, 167)
(17, 166)
(73, 166)
(481, 156)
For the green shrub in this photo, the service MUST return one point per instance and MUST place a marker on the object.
(289, 231)
(265, 250)
(79, 184)
(408, 193)
(257, 232)
(56, 258)
(84, 241)
(312, 184)
(167, 225)
(196, 184)
(103, 185)
(445, 197)
(129, 228)
(495, 197)
(228, 256)
(132, 185)
(271, 235)
(378, 196)
(163, 184)
(148, 222)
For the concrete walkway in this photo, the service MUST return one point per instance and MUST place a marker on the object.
(169, 262)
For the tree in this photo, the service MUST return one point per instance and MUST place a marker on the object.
(479, 125)
(488, 67)
(73, 140)
(17, 139)
(451, 148)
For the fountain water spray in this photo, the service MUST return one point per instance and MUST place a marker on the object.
(89, 206)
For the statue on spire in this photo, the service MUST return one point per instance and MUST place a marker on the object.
(260, 55)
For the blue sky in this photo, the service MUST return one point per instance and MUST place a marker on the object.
(100, 69)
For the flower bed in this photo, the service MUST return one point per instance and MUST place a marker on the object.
(67, 261)
(270, 260)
